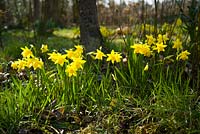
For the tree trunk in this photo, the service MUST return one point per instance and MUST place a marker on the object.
(2, 13)
(156, 17)
(51, 10)
(91, 36)
(143, 19)
(75, 8)
(36, 8)
(30, 16)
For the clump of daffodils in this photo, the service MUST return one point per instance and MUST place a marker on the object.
(28, 61)
(151, 44)
(157, 45)
(73, 58)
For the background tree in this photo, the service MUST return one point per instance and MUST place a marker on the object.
(91, 36)
(36, 6)
(75, 8)
(51, 10)
(2, 12)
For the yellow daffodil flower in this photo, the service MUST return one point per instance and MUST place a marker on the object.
(104, 31)
(177, 44)
(162, 39)
(26, 53)
(37, 63)
(114, 57)
(142, 49)
(150, 39)
(58, 58)
(160, 47)
(183, 55)
(178, 22)
(79, 49)
(44, 48)
(78, 63)
(145, 50)
(14, 65)
(52, 56)
(20, 65)
(70, 54)
(137, 48)
(29, 62)
(71, 71)
(165, 38)
(99, 55)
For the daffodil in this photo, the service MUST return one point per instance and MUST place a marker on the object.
(26, 53)
(159, 38)
(79, 49)
(178, 22)
(37, 63)
(177, 44)
(183, 55)
(165, 38)
(145, 50)
(71, 71)
(137, 48)
(104, 31)
(77, 53)
(78, 63)
(99, 55)
(14, 65)
(114, 57)
(52, 56)
(142, 49)
(162, 39)
(29, 62)
(19, 64)
(150, 39)
(58, 58)
(34, 62)
(44, 48)
(160, 47)
(70, 54)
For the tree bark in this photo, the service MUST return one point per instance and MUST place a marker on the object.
(2, 13)
(51, 10)
(30, 16)
(75, 8)
(36, 8)
(156, 17)
(91, 36)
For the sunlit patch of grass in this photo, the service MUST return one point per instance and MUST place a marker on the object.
(59, 42)
(66, 33)
(21, 33)
(118, 41)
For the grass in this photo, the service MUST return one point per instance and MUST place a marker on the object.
(103, 97)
